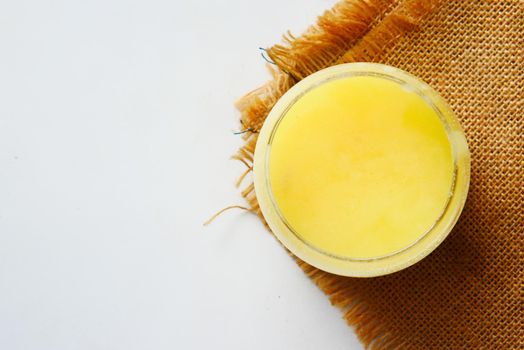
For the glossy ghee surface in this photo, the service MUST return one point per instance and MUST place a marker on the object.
(360, 167)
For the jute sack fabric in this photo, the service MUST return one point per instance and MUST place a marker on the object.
(469, 293)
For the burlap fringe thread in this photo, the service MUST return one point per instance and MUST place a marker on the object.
(352, 31)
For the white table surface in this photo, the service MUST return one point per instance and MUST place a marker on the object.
(116, 122)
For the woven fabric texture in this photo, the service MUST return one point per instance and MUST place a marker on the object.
(469, 293)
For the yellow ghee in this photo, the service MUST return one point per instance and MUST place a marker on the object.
(361, 169)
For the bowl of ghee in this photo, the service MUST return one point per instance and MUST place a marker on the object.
(361, 169)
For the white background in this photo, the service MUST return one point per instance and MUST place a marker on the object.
(116, 122)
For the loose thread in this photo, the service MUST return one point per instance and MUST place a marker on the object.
(251, 130)
(236, 157)
(267, 59)
(243, 176)
(270, 61)
(211, 219)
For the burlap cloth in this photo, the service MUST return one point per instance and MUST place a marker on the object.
(468, 294)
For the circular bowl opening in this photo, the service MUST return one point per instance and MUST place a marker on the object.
(369, 213)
